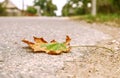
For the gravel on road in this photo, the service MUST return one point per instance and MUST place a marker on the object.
(17, 61)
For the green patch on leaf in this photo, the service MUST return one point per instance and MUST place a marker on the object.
(54, 46)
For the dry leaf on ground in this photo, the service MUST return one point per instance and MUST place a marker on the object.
(54, 47)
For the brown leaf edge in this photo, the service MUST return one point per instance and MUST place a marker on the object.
(41, 40)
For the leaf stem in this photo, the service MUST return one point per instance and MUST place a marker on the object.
(92, 46)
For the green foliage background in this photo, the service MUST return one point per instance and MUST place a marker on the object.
(103, 7)
(47, 7)
(31, 10)
(2, 10)
(66, 11)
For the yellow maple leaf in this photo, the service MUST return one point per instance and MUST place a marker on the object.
(54, 47)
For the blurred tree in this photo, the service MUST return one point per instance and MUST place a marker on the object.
(50, 8)
(31, 10)
(104, 6)
(116, 4)
(85, 5)
(73, 7)
(65, 10)
(108, 6)
(2, 10)
(40, 3)
(76, 7)
(47, 7)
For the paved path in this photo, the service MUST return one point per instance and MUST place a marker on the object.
(16, 61)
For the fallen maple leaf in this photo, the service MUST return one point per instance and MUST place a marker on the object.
(53, 47)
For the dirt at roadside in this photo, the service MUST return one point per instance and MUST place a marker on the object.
(98, 62)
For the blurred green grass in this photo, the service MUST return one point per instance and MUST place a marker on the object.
(110, 19)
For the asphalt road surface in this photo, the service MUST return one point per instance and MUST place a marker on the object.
(16, 61)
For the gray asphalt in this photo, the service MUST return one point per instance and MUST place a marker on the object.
(17, 61)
